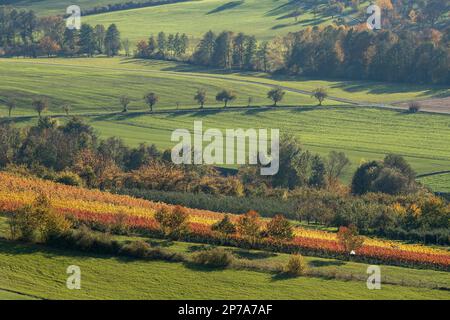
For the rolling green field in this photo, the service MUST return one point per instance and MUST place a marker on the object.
(262, 18)
(38, 271)
(58, 7)
(93, 86)
(440, 182)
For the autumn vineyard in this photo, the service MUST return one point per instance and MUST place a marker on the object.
(102, 208)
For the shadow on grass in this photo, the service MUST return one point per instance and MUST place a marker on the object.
(305, 22)
(251, 111)
(21, 248)
(282, 276)
(378, 88)
(253, 255)
(161, 243)
(227, 6)
(201, 268)
(323, 263)
(200, 247)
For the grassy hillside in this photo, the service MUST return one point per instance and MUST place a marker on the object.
(440, 182)
(262, 18)
(6, 295)
(94, 85)
(35, 270)
(362, 133)
(58, 7)
(95, 88)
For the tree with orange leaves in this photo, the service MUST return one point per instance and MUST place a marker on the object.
(249, 224)
(349, 239)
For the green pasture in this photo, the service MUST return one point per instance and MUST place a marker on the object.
(93, 86)
(30, 271)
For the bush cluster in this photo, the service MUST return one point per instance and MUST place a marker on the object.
(296, 266)
(216, 257)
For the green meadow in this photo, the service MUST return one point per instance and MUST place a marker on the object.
(39, 271)
(58, 7)
(93, 86)
(440, 182)
(35, 271)
(262, 18)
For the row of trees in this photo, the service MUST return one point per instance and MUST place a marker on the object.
(41, 104)
(418, 57)
(173, 46)
(332, 51)
(336, 52)
(23, 33)
(75, 147)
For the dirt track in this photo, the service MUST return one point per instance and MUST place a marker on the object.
(431, 105)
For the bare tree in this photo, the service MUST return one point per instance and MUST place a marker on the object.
(11, 104)
(124, 101)
(200, 97)
(151, 99)
(40, 105)
(335, 165)
(67, 109)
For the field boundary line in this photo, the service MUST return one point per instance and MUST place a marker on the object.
(22, 294)
(432, 174)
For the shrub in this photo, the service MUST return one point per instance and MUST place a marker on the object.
(54, 223)
(296, 266)
(69, 178)
(172, 222)
(23, 224)
(37, 219)
(224, 226)
(414, 107)
(87, 240)
(137, 249)
(280, 228)
(216, 257)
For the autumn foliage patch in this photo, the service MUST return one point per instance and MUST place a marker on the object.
(104, 210)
